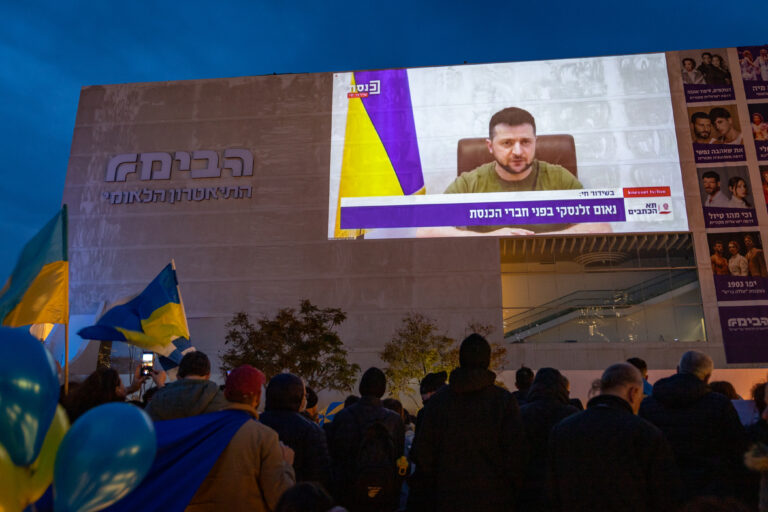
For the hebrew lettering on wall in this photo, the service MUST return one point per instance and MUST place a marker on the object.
(155, 165)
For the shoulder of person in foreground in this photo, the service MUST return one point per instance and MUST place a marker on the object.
(275, 475)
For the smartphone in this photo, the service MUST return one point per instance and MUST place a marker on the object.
(147, 363)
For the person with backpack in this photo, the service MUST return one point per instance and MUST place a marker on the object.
(366, 442)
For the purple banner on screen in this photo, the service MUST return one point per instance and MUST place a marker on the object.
(761, 146)
(755, 89)
(483, 214)
(745, 333)
(741, 288)
(695, 93)
(707, 153)
(729, 217)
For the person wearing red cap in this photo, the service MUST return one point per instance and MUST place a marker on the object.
(255, 469)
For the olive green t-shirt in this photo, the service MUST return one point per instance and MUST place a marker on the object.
(544, 176)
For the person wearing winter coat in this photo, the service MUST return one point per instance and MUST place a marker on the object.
(547, 405)
(192, 394)
(470, 447)
(345, 436)
(703, 429)
(254, 470)
(605, 458)
(284, 397)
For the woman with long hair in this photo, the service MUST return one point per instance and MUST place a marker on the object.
(737, 264)
(739, 191)
(101, 387)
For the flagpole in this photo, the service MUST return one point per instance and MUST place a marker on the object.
(66, 358)
(65, 229)
(178, 289)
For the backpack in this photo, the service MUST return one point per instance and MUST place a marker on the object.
(376, 484)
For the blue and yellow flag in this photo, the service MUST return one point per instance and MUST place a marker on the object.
(381, 150)
(152, 320)
(327, 414)
(38, 290)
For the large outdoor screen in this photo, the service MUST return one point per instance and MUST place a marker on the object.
(579, 145)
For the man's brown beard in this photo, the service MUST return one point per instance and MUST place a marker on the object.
(512, 171)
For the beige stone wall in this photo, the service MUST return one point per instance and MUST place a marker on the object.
(253, 254)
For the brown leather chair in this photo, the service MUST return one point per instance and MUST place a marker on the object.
(553, 149)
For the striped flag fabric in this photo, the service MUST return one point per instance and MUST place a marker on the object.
(152, 320)
(37, 291)
(327, 414)
(381, 151)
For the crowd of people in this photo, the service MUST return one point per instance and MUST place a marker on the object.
(474, 446)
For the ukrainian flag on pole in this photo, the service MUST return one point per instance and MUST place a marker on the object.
(38, 290)
(152, 320)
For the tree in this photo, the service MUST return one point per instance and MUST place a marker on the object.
(418, 348)
(303, 342)
(498, 352)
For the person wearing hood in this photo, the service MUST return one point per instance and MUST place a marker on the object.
(547, 404)
(192, 394)
(470, 448)
(606, 458)
(703, 429)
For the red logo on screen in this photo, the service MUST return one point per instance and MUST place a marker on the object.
(646, 191)
(665, 209)
(365, 89)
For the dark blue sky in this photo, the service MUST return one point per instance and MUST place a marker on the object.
(49, 50)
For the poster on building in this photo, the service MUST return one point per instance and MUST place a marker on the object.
(726, 196)
(758, 116)
(753, 65)
(738, 266)
(706, 75)
(745, 333)
(716, 133)
(764, 182)
(549, 147)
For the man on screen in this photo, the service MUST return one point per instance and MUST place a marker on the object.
(512, 144)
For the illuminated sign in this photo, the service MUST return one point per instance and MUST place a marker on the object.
(568, 146)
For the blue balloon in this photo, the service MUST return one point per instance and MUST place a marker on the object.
(29, 393)
(104, 456)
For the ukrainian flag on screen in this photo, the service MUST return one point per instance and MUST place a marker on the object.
(152, 320)
(381, 151)
(38, 290)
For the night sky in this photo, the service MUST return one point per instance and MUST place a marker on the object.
(49, 50)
